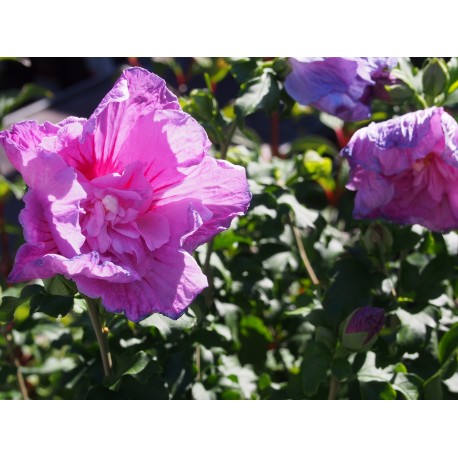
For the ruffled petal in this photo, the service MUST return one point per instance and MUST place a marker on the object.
(135, 94)
(406, 170)
(166, 143)
(221, 187)
(34, 261)
(55, 184)
(171, 284)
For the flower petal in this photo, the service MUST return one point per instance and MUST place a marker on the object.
(55, 185)
(135, 94)
(169, 287)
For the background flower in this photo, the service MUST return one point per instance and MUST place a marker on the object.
(119, 201)
(343, 87)
(405, 170)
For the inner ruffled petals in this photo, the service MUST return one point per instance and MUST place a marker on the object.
(118, 217)
(429, 174)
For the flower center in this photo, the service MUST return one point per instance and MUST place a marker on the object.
(421, 164)
(119, 220)
(109, 222)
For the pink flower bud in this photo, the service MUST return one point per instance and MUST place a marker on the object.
(360, 329)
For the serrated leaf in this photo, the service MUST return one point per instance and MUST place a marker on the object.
(262, 92)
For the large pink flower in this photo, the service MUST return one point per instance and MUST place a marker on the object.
(405, 170)
(118, 202)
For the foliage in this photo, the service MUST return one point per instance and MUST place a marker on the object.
(282, 279)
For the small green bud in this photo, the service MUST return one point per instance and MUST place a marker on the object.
(435, 77)
(378, 239)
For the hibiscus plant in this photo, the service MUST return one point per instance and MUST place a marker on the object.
(199, 235)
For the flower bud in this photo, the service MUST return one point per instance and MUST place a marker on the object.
(360, 329)
(435, 77)
(378, 239)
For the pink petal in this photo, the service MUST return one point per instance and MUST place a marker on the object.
(220, 187)
(155, 230)
(136, 94)
(55, 184)
(170, 286)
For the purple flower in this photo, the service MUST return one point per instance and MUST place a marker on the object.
(343, 87)
(406, 170)
(361, 328)
(118, 202)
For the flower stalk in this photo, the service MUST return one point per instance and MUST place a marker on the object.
(93, 309)
(303, 253)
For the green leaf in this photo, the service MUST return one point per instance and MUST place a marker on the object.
(414, 330)
(433, 388)
(262, 92)
(54, 306)
(406, 73)
(199, 392)
(452, 98)
(407, 385)
(10, 100)
(168, 327)
(253, 323)
(51, 365)
(435, 77)
(60, 286)
(376, 390)
(7, 308)
(304, 217)
(448, 344)
(399, 93)
(9, 304)
(6, 185)
(315, 365)
(349, 289)
(341, 369)
(242, 69)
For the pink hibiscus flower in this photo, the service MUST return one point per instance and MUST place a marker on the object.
(118, 202)
(405, 170)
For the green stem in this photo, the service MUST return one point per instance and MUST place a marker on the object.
(92, 308)
(421, 100)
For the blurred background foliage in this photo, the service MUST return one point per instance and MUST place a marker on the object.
(282, 279)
